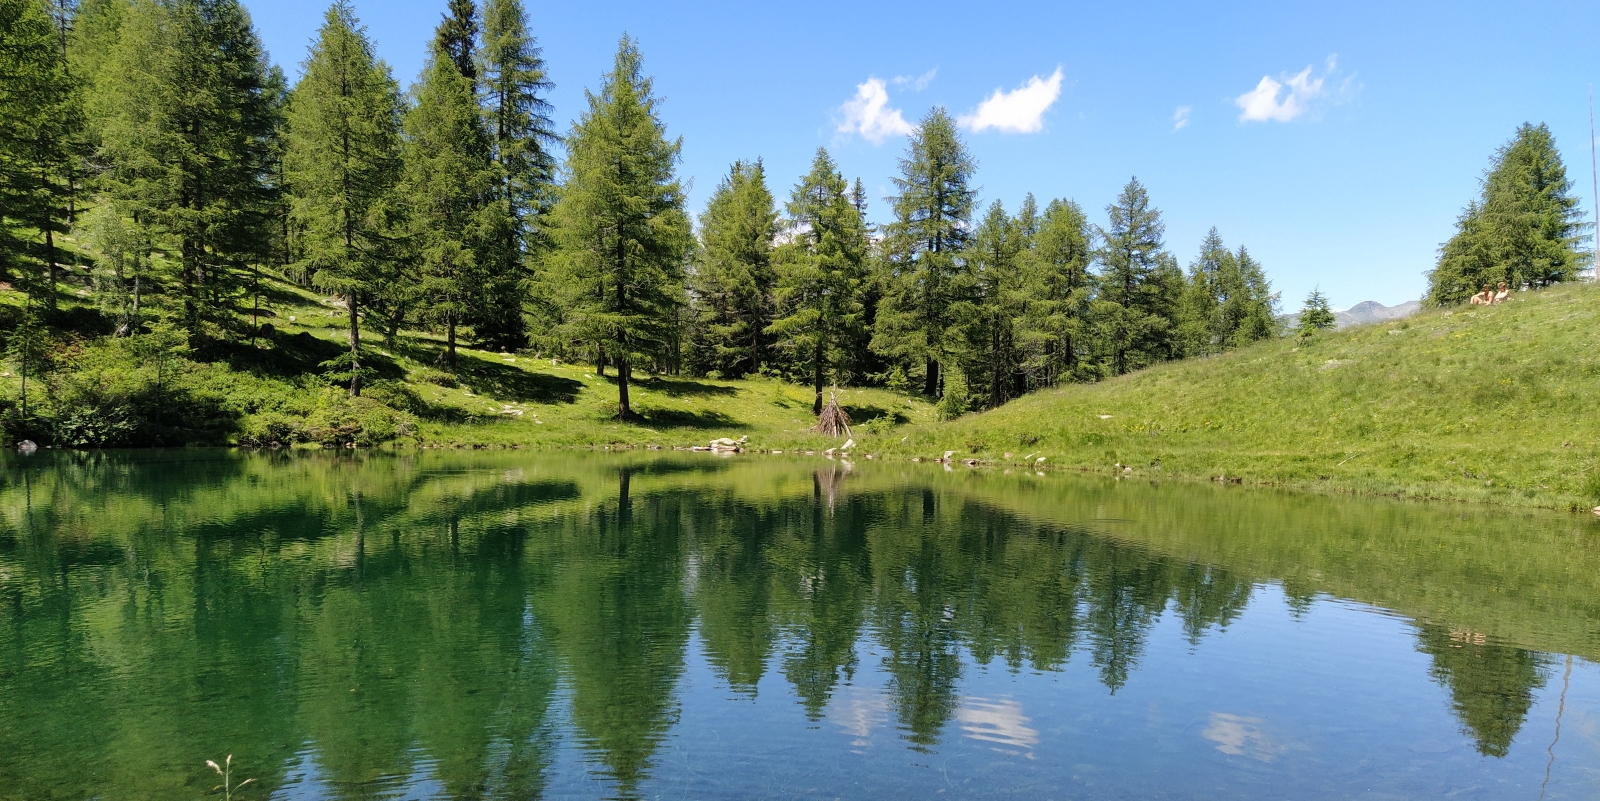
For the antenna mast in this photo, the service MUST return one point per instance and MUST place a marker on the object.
(1594, 175)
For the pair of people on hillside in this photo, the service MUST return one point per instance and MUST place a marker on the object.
(1489, 297)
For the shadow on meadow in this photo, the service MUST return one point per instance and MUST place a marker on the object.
(507, 382)
(683, 418)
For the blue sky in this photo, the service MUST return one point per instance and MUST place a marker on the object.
(1337, 141)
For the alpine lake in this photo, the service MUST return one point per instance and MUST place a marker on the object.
(516, 625)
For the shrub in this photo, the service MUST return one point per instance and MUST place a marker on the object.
(363, 421)
(437, 377)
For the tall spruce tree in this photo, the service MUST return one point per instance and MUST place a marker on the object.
(38, 118)
(1056, 327)
(1139, 284)
(925, 246)
(1524, 229)
(342, 160)
(820, 271)
(446, 183)
(620, 225)
(512, 75)
(734, 279)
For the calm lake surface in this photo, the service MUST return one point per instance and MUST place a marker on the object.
(507, 625)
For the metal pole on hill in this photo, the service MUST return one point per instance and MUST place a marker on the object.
(1594, 175)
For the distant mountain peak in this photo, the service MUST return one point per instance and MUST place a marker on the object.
(1371, 311)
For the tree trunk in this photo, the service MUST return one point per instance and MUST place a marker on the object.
(930, 385)
(816, 375)
(624, 411)
(600, 362)
(450, 340)
(355, 347)
(50, 260)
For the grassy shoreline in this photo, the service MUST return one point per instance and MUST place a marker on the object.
(1485, 405)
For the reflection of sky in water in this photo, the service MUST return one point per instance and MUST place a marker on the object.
(999, 722)
(859, 712)
(1242, 736)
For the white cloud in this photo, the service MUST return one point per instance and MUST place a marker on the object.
(1287, 99)
(1020, 110)
(917, 83)
(868, 114)
(1180, 118)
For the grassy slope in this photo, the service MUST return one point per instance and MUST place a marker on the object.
(1482, 404)
(1487, 404)
(502, 399)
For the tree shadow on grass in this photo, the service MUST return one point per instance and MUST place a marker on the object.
(512, 383)
(679, 388)
(679, 418)
(861, 414)
(295, 355)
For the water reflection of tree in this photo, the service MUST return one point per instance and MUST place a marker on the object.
(1491, 685)
(257, 594)
(610, 594)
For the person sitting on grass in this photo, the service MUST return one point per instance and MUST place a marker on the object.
(1483, 298)
(1505, 292)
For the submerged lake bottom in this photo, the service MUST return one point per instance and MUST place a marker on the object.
(561, 625)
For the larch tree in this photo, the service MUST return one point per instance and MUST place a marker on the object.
(989, 315)
(446, 183)
(1056, 326)
(187, 127)
(734, 280)
(1139, 284)
(620, 226)
(342, 160)
(514, 84)
(38, 117)
(820, 271)
(925, 246)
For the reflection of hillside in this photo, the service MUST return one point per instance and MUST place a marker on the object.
(402, 616)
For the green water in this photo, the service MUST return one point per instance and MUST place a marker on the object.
(505, 625)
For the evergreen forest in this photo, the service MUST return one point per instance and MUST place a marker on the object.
(161, 178)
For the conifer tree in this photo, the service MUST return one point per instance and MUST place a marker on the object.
(512, 74)
(457, 38)
(446, 183)
(996, 303)
(186, 132)
(620, 225)
(342, 159)
(734, 280)
(1250, 309)
(1139, 284)
(1524, 229)
(820, 271)
(38, 118)
(1056, 326)
(25, 350)
(858, 363)
(925, 246)
(1316, 315)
